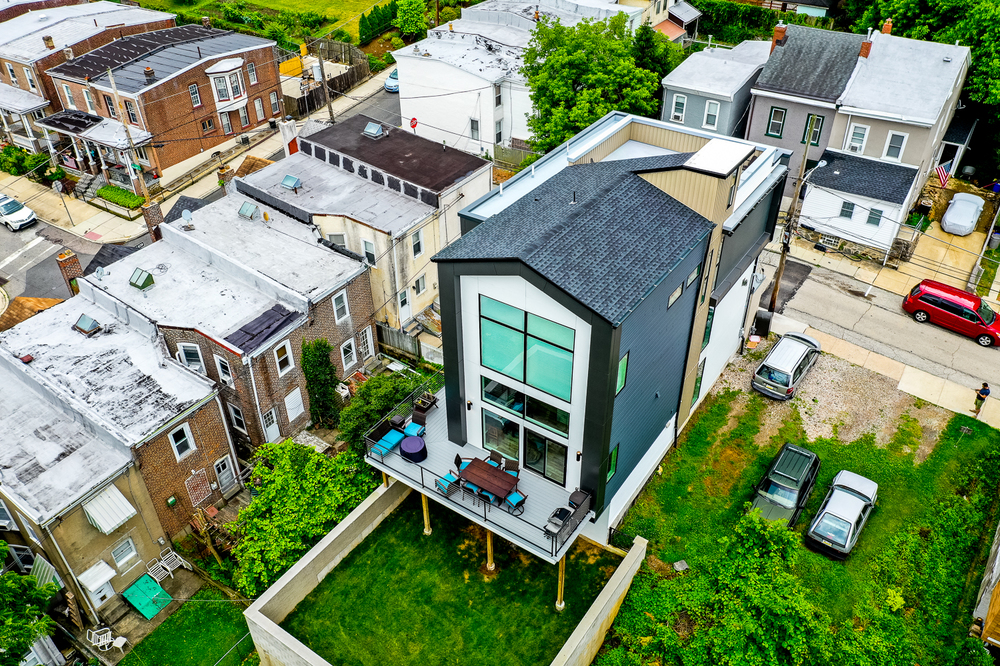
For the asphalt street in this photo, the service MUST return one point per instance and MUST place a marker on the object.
(835, 304)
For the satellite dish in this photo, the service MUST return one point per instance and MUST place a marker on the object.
(186, 214)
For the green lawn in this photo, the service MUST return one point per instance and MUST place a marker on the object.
(403, 598)
(198, 634)
(906, 546)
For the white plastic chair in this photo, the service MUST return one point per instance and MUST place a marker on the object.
(171, 560)
(101, 639)
(120, 643)
(158, 570)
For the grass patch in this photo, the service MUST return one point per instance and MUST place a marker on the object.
(908, 581)
(403, 598)
(989, 263)
(198, 634)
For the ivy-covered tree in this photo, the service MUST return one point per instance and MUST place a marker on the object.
(374, 399)
(22, 613)
(411, 18)
(302, 496)
(577, 74)
(321, 382)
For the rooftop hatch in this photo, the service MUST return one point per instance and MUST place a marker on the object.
(141, 280)
(248, 210)
(373, 130)
(86, 325)
(290, 182)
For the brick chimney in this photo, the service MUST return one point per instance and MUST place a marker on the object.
(887, 26)
(206, 21)
(289, 136)
(69, 266)
(49, 43)
(150, 74)
(226, 174)
(153, 216)
(866, 48)
(779, 35)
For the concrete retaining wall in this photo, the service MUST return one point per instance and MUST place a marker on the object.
(276, 646)
(587, 638)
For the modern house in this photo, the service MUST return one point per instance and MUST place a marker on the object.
(193, 88)
(382, 195)
(51, 33)
(710, 90)
(463, 83)
(577, 339)
(885, 139)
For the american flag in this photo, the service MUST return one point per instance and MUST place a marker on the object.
(942, 173)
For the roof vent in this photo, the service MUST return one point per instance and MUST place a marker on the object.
(947, 58)
(141, 280)
(27, 358)
(292, 183)
(87, 325)
(249, 210)
(68, 53)
(374, 131)
(149, 74)
(43, 17)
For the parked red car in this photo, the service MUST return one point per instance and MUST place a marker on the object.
(954, 309)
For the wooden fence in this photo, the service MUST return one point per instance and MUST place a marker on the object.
(331, 51)
(510, 157)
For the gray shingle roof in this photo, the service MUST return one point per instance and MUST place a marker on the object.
(619, 239)
(864, 177)
(961, 126)
(811, 63)
(182, 204)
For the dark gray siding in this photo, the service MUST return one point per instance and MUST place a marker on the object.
(657, 341)
(747, 241)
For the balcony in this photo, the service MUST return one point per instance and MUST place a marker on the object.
(526, 530)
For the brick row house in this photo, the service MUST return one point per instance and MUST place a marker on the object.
(178, 94)
(38, 40)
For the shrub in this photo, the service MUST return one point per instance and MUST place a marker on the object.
(120, 196)
(321, 382)
(56, 174)
(312, 20)
(449, 14)
(388, 59)
(397, 43)
(254, 19)
(375, 64)
(341, 35)
(374, 399)
(286, 18)
(377, 21)
(233, 10)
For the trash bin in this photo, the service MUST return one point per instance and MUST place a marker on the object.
(994, 241)
(762, 323)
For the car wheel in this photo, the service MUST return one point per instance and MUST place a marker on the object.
(921, 316)
(985, 340)
(9, 226)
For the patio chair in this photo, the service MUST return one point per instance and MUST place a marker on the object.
(157, 570)
(171, 560)
(120, 643)
(514, 503)
(447, 484)
(100, 639)
(496, 460)
(487, 496)
(512, 467)
(461, 463)
(414, 430)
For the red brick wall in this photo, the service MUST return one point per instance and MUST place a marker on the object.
(7, 13)
(165, 476)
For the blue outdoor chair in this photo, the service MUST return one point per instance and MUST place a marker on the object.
(496, 460)
(414, 430)
(447, 484)
(514, 502)
(512, 467)
(388, 442)
(461, 463)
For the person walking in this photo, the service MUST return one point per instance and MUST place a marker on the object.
(981, 396)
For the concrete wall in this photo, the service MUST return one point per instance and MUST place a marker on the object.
(276, 646)
(587, 638)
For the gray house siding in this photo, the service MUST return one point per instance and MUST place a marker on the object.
(796, 120)
(657, 339)
(694, 113)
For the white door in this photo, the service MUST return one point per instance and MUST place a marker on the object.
(224, 473)
(102, 594)
(271, 431)
(404, 307)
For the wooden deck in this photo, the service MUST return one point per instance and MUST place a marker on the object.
(524, 531)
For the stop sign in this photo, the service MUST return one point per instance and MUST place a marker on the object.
(413, 123)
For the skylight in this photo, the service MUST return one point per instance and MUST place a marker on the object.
(291, 182)
(374, 130)
(248, 210)
(141, 280)
(86, 325)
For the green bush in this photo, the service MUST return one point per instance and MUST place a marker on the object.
(374, 399)
(449, 14)
(341, 35)
(56, 174)
(312, 20)
(733, 22)
(388, 59)
(375, 64)
(120, 196)
(321, 382)
(397, 43)
(375, 22)
(18, 162)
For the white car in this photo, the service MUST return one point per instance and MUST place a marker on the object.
(962, 214)
(836, 528)
(14, 214)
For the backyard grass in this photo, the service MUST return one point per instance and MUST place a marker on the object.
(198, 634)
(403, 598)
(706, 481)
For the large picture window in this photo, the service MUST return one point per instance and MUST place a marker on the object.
(544, 414)
(526, 347)
(502, 396)
(545, 456)
(501, 435)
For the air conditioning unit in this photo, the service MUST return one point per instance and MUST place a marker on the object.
(677, 117)
(6, 525)
(854, 147)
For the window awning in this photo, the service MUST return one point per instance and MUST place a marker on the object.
(96, 576)
(109, 510)
(44, 572)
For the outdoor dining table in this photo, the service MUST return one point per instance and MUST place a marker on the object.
(489, 478)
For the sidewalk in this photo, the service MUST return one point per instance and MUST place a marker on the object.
(935, 390)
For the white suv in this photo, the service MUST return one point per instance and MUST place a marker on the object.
(14, 214)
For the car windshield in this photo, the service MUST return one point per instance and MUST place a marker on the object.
(834, 529)
(986, 312)
(780, 495)
(395, 74)
(769, 374)
(10, 206)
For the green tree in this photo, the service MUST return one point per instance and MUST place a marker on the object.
(578, 74)
(22, 613)
(653, 52)
(411, 18)
(321, 382)
(374, 399)
(302, 496)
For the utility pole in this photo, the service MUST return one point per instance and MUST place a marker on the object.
(128, 135)
(786, 234)
(322, 74)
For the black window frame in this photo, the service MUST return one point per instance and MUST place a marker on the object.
(545, 458)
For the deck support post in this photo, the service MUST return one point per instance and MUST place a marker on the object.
(385, 480)
(427, 515)
(490, 564)
(560, 602)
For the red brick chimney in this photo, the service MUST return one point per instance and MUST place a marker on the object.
(226, 174)
(779, 35)
(153, 216)
(887, 26)
(866, 48)
(69, 266)
(206, 21)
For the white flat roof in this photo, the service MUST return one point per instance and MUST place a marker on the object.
(20, 101)
(719, 72)
(720, 156)
(465, 51)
